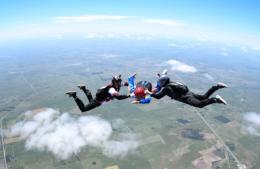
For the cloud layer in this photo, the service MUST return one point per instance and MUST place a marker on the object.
(86, 18)
(181, 67)
(224, 54)
(252, 120)
(63, 135)
(166, 22)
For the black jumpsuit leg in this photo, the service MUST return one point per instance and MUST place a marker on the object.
(211, 91)
(207, 94)
(191, 99)
(87, 107)
(93, 103)
(88, 94)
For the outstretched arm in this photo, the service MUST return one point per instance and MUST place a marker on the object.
(161, 93)
(145, 101)
(125, 84)
(115, 94)
(121, 97)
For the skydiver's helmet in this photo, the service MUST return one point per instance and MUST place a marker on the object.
(116, 82)
(163, 81)
(139, 92)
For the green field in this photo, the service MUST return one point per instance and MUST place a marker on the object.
(41, 81)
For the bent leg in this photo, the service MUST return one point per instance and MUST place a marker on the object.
(87, 107)
(200, 103)
(91, 106)
(192, 100)
(79, 103)
(207, 94)
(211, 91)
(88, 94)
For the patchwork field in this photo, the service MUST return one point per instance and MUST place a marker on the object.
(169, 134)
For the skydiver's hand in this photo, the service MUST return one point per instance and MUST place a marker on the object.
(154, 91)
(135, 102)
(115, 94)
(125, 83)
(147, 92)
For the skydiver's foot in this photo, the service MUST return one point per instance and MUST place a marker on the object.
(82, 87)
(221, 100)
(221, 85)
(71, 94)
(164, 72)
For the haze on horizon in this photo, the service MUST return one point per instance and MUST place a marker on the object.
(225, 21)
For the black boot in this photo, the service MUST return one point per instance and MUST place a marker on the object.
(220, 100)
(71, 94)
(221, 85)
(82, 87)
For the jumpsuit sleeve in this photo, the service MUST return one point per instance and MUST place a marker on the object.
(116, 95)
(158, 87)
(121, 97)
(161, 93)
(146, 100)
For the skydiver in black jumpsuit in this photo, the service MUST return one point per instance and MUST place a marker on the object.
(103, 94)
(181, 92)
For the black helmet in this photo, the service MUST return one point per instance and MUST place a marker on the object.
(116, 82)
(163, 81)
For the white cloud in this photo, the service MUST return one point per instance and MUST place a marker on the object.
(167, 28)
(166, 22)
(86, 18)
(149, 38)
(253, 117)
(229, 44)
(181, 67)
(59, 36)
(244, 49)
(100, 36)
(224, 53)
(109, 56)
(110, 35)
(73, 64)
(115, 148)
(256, 48)
(172, 44)
(208, 76)
(144, 37)
(63, 135)
(202, 39)
(252, 123)
(253, 130)
(94, 35)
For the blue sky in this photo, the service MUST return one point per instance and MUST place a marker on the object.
(214, 19)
